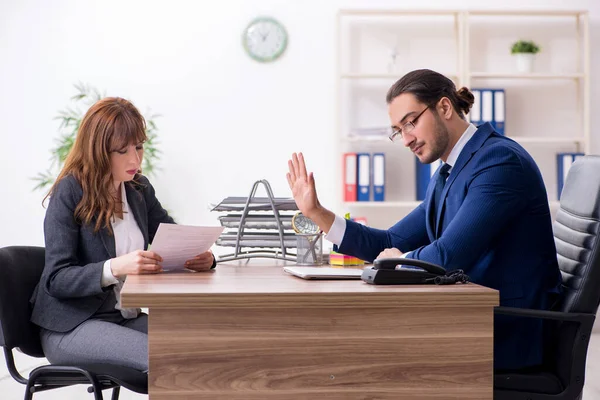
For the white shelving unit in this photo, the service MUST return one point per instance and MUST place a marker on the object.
(473, 49)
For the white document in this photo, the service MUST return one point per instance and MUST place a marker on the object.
(178, 243)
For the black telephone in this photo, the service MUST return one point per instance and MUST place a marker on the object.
(385, 272)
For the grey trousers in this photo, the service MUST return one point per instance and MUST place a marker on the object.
(106, 339)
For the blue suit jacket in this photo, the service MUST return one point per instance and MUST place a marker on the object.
(494, 222)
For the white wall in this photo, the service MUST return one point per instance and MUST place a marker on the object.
(227, 120)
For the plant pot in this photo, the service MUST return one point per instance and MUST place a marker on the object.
(525, 62)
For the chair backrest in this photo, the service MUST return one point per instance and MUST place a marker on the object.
(576, 234)
(577, 239)
(20, 271)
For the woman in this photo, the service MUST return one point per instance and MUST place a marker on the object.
(101, 216)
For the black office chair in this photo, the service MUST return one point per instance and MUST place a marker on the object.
(20, 270)
(570, 322)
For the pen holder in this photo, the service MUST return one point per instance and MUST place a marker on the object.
(309, 249)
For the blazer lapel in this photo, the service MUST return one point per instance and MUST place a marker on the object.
(137, 206)
(108, 240)
(481, 135)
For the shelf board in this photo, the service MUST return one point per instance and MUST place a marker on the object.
(519, 139)
(529, 13)
(426, 12)
(548, 140)
(494, 75)
(394, 12)
(407, 204)
(367, 139)
(384, 76)
(381, 204)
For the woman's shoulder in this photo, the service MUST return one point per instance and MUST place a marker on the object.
(66, 191)
(67, 185)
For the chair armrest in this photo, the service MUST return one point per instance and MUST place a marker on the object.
(582, 318)
(585, 323)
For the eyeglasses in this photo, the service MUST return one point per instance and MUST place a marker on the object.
(406, 128)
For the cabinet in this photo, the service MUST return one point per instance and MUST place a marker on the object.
(547, 110)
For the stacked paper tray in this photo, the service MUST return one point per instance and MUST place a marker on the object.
(256, 221)
(257, 226)
(269, 239)
(256, 204)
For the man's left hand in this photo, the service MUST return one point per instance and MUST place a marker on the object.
(390, 253)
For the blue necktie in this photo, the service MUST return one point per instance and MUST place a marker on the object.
(440, 181)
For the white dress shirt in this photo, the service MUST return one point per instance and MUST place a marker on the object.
(338, 228)
(128, 238)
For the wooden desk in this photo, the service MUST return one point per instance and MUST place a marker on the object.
(253, 332)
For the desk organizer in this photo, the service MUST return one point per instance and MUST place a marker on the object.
(257, 227)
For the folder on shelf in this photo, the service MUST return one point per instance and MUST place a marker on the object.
(424, 172)
(487, 106)
(364, 176)
(350, 177)
(475, 114)
(563, 164)
(499, 110)
(378, 177)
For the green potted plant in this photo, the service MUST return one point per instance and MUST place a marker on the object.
(70, 119)
(524, 52)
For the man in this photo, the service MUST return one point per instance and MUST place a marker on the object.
(486, 209)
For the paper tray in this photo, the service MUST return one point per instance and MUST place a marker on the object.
(258, 240)
(256, 204)
(256, 221)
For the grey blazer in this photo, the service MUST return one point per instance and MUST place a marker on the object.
(70, 289)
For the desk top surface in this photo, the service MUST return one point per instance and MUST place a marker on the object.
(264, 283)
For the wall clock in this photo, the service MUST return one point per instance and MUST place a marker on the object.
(265, 39)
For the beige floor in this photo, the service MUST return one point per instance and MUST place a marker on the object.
(10, 390)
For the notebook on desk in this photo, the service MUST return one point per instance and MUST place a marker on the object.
(324, 272)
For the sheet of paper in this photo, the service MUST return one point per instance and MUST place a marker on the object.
(178, 243)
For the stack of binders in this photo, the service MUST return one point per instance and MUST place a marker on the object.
(489, 106)
(364, 177)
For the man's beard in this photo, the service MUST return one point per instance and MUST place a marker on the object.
(440, 142)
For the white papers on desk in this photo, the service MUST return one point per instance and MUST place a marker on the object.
(178, 243)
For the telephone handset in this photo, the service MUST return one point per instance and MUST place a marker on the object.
(398, 271)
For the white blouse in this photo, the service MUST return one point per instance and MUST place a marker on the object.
(128, 238)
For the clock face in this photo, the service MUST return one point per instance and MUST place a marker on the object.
(265, 39)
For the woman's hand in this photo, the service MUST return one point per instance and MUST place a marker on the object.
(135, 263)
(202, 262)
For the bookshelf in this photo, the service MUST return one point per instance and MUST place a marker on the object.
(547, 110)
